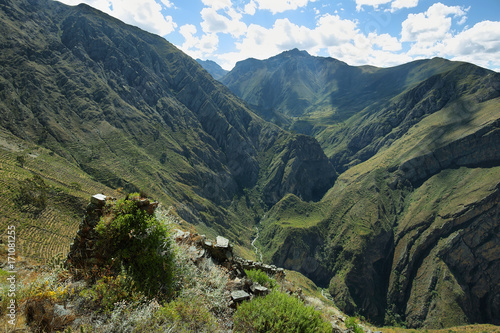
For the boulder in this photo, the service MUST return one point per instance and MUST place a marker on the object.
(259, 290)
(222, 242)
(239, 295)
(98, 199)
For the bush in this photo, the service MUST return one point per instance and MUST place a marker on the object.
(261, 278)
(109, 290)
(351, 323)
(32, 195)
(186, 315)
(137, 242)
(280, 313)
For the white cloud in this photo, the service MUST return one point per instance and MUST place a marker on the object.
(217, 4)
(250, 8)
(214, 22)
(385, 42)
(479, 44)
(340, 38)
(432, 26)
(395, 4)
(279, 6)
(332, 30)
(400, 4)
(146, 14)
(261, 43)
(198, 47)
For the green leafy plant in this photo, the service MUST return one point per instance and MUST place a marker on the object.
(109, 290)
(187, 314)
(279, 313)
(352, 323)
(137, 242)
(261, 277)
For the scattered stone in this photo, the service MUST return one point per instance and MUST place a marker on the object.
(239, 295)
(234, 285)
(98, 199)
(222, 242)
(259, 290)
(62, 317)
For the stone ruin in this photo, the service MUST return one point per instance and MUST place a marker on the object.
(84, 253)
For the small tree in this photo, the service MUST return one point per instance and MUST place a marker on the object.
(136, 241)
(21, 160)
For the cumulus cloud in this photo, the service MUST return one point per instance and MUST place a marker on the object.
(432, 26)
(400, 4)
(214, 22)
(395, 4)
(339, 38)
(146, 14)
(279, 6)
(198, 47)
(250, 8)
(479, 44)
(217, 4)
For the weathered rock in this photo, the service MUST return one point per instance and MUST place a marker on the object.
(259, 290)
(44, 315)
(222, 251)
(98, 199)
(239, 296)
(222, 242)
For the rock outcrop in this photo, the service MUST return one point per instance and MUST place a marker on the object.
(84, 253)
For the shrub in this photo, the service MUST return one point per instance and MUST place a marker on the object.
(32, 195)
(187, 315)
(109, 290)
(137, 242)
(261, 277)
(351, 323)
(280, 313)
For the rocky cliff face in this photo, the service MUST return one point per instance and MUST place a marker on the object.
(447, 267)
(299, 166)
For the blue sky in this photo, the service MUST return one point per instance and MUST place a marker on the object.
(376, 32)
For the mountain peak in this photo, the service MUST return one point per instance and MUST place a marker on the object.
(294, 53)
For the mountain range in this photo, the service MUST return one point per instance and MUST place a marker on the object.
(410, 229)
(381, 184)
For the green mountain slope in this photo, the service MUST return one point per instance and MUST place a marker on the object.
(311, 92)
(409, 232)
(131, 111)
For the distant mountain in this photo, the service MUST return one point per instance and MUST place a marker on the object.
(408, 233)
(131, 111)
(311, 95)
(213, 68)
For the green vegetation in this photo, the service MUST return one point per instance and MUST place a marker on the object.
(278, 312)
(256, 275)
(137, 242)
(351, 323)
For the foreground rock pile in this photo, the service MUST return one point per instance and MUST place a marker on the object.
(221, 253)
